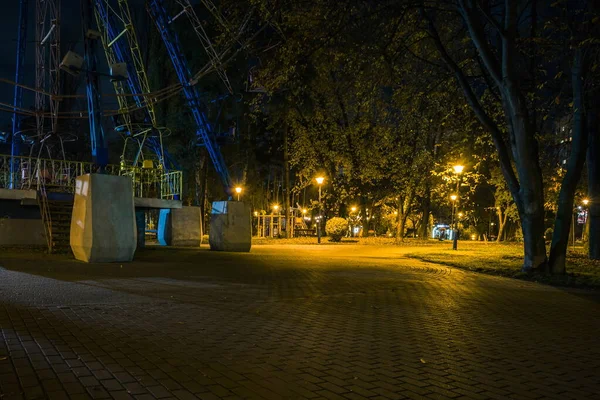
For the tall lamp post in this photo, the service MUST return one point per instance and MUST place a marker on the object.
(453, 198)
(320, 181)
(584, 236)
(458, 169)
(352, 220)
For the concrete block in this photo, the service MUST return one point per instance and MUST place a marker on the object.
(20, 225)
(103, 227)
(22, 232)
(230, 226)
(186, 226)
(180, 227)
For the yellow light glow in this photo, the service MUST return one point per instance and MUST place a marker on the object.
(585, 202)
(460, 215)
(275, 207)
(353, 209)
(458, 168)
(304, 211)
(238, 190)
(453, 197)
(256, 213)
(320, 180)
(395, 212)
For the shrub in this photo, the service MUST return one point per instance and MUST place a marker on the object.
(469, 232)
(336, 228)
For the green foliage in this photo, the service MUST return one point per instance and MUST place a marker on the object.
(469, 233)
(336, 228)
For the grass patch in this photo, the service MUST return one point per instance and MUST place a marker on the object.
(368, 241)
(506, 260)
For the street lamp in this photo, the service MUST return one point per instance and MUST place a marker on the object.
(584, 235)
(353, 219)
(453, 199)
(458, 169)
(238, 190)
(276, 208)
(320, 181)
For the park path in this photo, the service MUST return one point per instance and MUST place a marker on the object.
(285, 322)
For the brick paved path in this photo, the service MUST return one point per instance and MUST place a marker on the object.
(333, 322)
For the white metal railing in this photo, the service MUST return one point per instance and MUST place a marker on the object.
(33, 173)
(171, 185)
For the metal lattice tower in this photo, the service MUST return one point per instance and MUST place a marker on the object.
(47, 37)
(15, 149)
(213, 56)
(121, 46)
(204, 131)
(102, 22)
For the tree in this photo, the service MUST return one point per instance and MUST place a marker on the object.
(498, 57)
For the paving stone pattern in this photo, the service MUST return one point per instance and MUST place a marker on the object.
(330, 322)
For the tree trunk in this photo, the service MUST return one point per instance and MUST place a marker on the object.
(204, 198)
(593, 168)
(532, 226)
(426, 210)
(501, 223)
(365, 221)
(289, 224)
(564, 215)
(400, 219)
(530, 199)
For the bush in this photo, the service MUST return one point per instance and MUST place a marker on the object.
(469, 232)
(336, 228)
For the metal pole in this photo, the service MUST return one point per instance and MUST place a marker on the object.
(455, 238)
(452, 219)
(319, 219)
(15, 149)
(573, 216)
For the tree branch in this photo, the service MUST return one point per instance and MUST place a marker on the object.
(491, 19)
(482, 116)
(477, 34)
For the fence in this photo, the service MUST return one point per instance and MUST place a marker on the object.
(32, 173)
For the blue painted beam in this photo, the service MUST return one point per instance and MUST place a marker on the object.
(159, 14)
(97, 137)
(15, 149)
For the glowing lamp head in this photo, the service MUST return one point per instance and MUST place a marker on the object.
(238, 190)
(453, 197)
(320, 180)
(585, 202)
(276, 207)
(353, 209)
(460, 215)
(458, 168)
(304, 211)
(256, 213)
